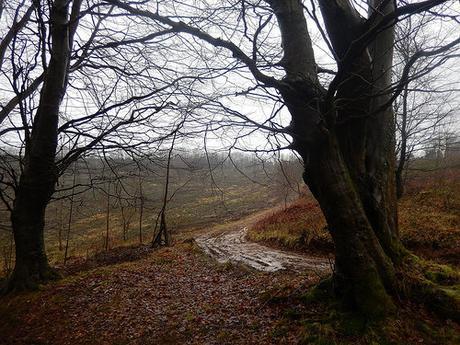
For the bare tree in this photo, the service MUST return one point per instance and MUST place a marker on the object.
(39, 175)
(126, 208)
(70, 218)
(343, 129)
(427, 102)
(163, 236)
(43, 140)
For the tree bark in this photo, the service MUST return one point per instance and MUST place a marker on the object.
(363, 271)
(38, 178)
(346, 141)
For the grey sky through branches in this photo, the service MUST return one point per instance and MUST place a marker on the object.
(118, 58)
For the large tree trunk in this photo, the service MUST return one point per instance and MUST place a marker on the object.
(360, 210)
(39, 175)
(31, 266)
(363, 274)
(347, 145)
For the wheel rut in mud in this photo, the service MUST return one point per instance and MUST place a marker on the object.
(232, 246)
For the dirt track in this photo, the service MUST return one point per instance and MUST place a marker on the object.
(232, 246)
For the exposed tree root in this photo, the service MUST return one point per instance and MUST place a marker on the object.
(436, 287)
(433, 285)
(24, 280)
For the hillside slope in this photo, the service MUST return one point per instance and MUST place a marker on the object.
(178, 295)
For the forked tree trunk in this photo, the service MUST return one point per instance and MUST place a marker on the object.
(38, 178)
(359, 204)
(347, 145)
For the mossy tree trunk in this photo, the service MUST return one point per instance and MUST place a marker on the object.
(39, 174)
(345, 136)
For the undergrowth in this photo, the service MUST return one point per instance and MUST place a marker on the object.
(322, 320)
(429, 220)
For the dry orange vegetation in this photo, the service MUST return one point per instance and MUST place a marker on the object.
(429, 220)
(300, 225)
(429, 215)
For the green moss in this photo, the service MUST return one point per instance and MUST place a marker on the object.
(453, 291)
(371, 297)
(400, 252)
(442, 274)
(443, 300)
(319, 333)
(352, 325)
(436, 286)
(322, 293)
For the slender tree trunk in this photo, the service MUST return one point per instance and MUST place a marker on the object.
(69, 222)
(107, 220)
(59, 226)
(141, 211)
(163, 236)
(403, 150)
(123, 221)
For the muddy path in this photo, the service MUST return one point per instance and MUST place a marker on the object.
(232, 245)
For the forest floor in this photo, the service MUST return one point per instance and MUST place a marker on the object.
(175, 295)
(180, 295)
